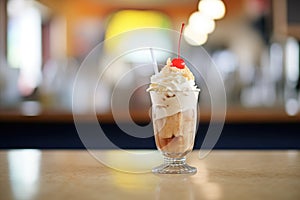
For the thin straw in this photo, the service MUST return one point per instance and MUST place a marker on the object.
(154, 61)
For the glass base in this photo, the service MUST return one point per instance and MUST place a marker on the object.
(174, 166)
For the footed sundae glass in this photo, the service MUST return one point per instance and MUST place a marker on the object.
(174, 117)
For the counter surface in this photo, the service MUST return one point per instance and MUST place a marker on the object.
(76, 174)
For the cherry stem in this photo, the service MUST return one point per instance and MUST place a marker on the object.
(179, 42)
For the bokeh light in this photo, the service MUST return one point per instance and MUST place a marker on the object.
(201, 23)
(212, 8)
(194, 37)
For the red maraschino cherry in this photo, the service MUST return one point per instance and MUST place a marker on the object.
(178, 62)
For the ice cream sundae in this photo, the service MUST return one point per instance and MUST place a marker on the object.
(174, 97)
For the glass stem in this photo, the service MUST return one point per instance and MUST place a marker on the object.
(174, 161)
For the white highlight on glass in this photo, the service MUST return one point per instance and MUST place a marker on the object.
(201, 23)
(212, 8)
(194, 37)
(154, 61)
(24, 169)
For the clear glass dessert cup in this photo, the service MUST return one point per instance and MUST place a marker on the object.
(174, 117)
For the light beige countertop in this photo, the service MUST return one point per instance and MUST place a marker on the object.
(76, 174)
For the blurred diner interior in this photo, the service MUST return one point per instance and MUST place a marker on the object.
(75, 114)
(255, 47)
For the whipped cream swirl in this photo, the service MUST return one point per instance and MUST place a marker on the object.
(173, 79)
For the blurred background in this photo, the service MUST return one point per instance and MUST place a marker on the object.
(254, 43)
